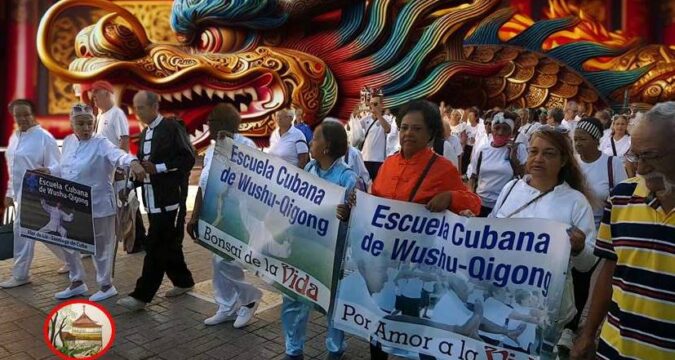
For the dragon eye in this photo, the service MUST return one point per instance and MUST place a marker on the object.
(220, 40)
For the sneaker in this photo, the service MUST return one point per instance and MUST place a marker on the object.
(102, 295)
(14, 282)
(334, 356)
(244, 315)
(177, 291)
(63, 269)
(131, 303)
(68, 292)
(566, 340)
(219, 318)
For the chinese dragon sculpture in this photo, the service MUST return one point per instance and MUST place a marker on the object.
(262, 55)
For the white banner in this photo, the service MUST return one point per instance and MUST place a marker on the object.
(274, 218)
(448, 286)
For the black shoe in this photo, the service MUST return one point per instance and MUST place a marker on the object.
(335, 356)
(294, 357)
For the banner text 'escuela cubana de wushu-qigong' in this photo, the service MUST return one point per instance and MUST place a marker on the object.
(56, 211)
(274, 218)
(449, 286)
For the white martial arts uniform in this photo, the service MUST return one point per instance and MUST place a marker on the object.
(28, 150)
(92, 163)
(230, 288)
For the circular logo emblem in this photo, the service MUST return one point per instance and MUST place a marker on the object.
(79, 329)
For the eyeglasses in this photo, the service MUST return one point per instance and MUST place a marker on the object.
(646, 157)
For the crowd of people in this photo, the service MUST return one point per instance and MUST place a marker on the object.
(609, 177)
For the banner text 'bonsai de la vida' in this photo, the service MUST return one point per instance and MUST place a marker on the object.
(274, 218)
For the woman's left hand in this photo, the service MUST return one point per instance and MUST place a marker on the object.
(343, 212)
(43, 171)
(440, 202)
(577, 239)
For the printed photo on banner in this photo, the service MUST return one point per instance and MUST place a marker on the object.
(56, 211)
(448, 286)
(274, 218)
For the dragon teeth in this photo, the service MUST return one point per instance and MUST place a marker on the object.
(220, 94)
(209, 92)
(230, 94)
(187, 93)
(167, 97)
(197, 89)
(253, 94)
(243, 108)
(178, 96)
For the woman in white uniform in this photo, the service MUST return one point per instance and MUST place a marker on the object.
(91, 160)
(618, 143)
(497, 163)
(554, 188)
(30, 147)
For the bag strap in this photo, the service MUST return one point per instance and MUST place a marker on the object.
(369, 127)
(508, 193)
(422, 176)
(611, 138)
(478, 163)
(610, 173)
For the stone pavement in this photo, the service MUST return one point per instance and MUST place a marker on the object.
(169, 329)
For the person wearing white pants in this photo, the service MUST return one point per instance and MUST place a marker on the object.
(30, 147)
(237, 299)
(91, 160)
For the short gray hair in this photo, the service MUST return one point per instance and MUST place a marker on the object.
(662, 114)
(151, 97)
(664, 111)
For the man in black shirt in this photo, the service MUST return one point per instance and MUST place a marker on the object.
(167, 156)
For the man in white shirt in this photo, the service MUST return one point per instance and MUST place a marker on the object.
(287, 141)
(111, 122)
(237, 299)
(571, 118)
(377, 128)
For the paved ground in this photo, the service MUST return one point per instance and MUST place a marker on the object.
(168, 329)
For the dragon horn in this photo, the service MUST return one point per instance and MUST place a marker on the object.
(56, 10)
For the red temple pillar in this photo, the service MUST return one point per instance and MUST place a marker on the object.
(635, 18)
(20, 55)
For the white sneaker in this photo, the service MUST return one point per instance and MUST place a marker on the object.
(63, 269)
(14, 282)
(68, 292)
(131, 303)
(177, 291)
(244, 315)
(102, 295)
(566, 340)
(219, 318)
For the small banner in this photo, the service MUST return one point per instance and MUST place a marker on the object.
(448, 286)
(56, 211)
(274, 218)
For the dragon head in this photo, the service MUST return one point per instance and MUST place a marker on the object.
(262, 56)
